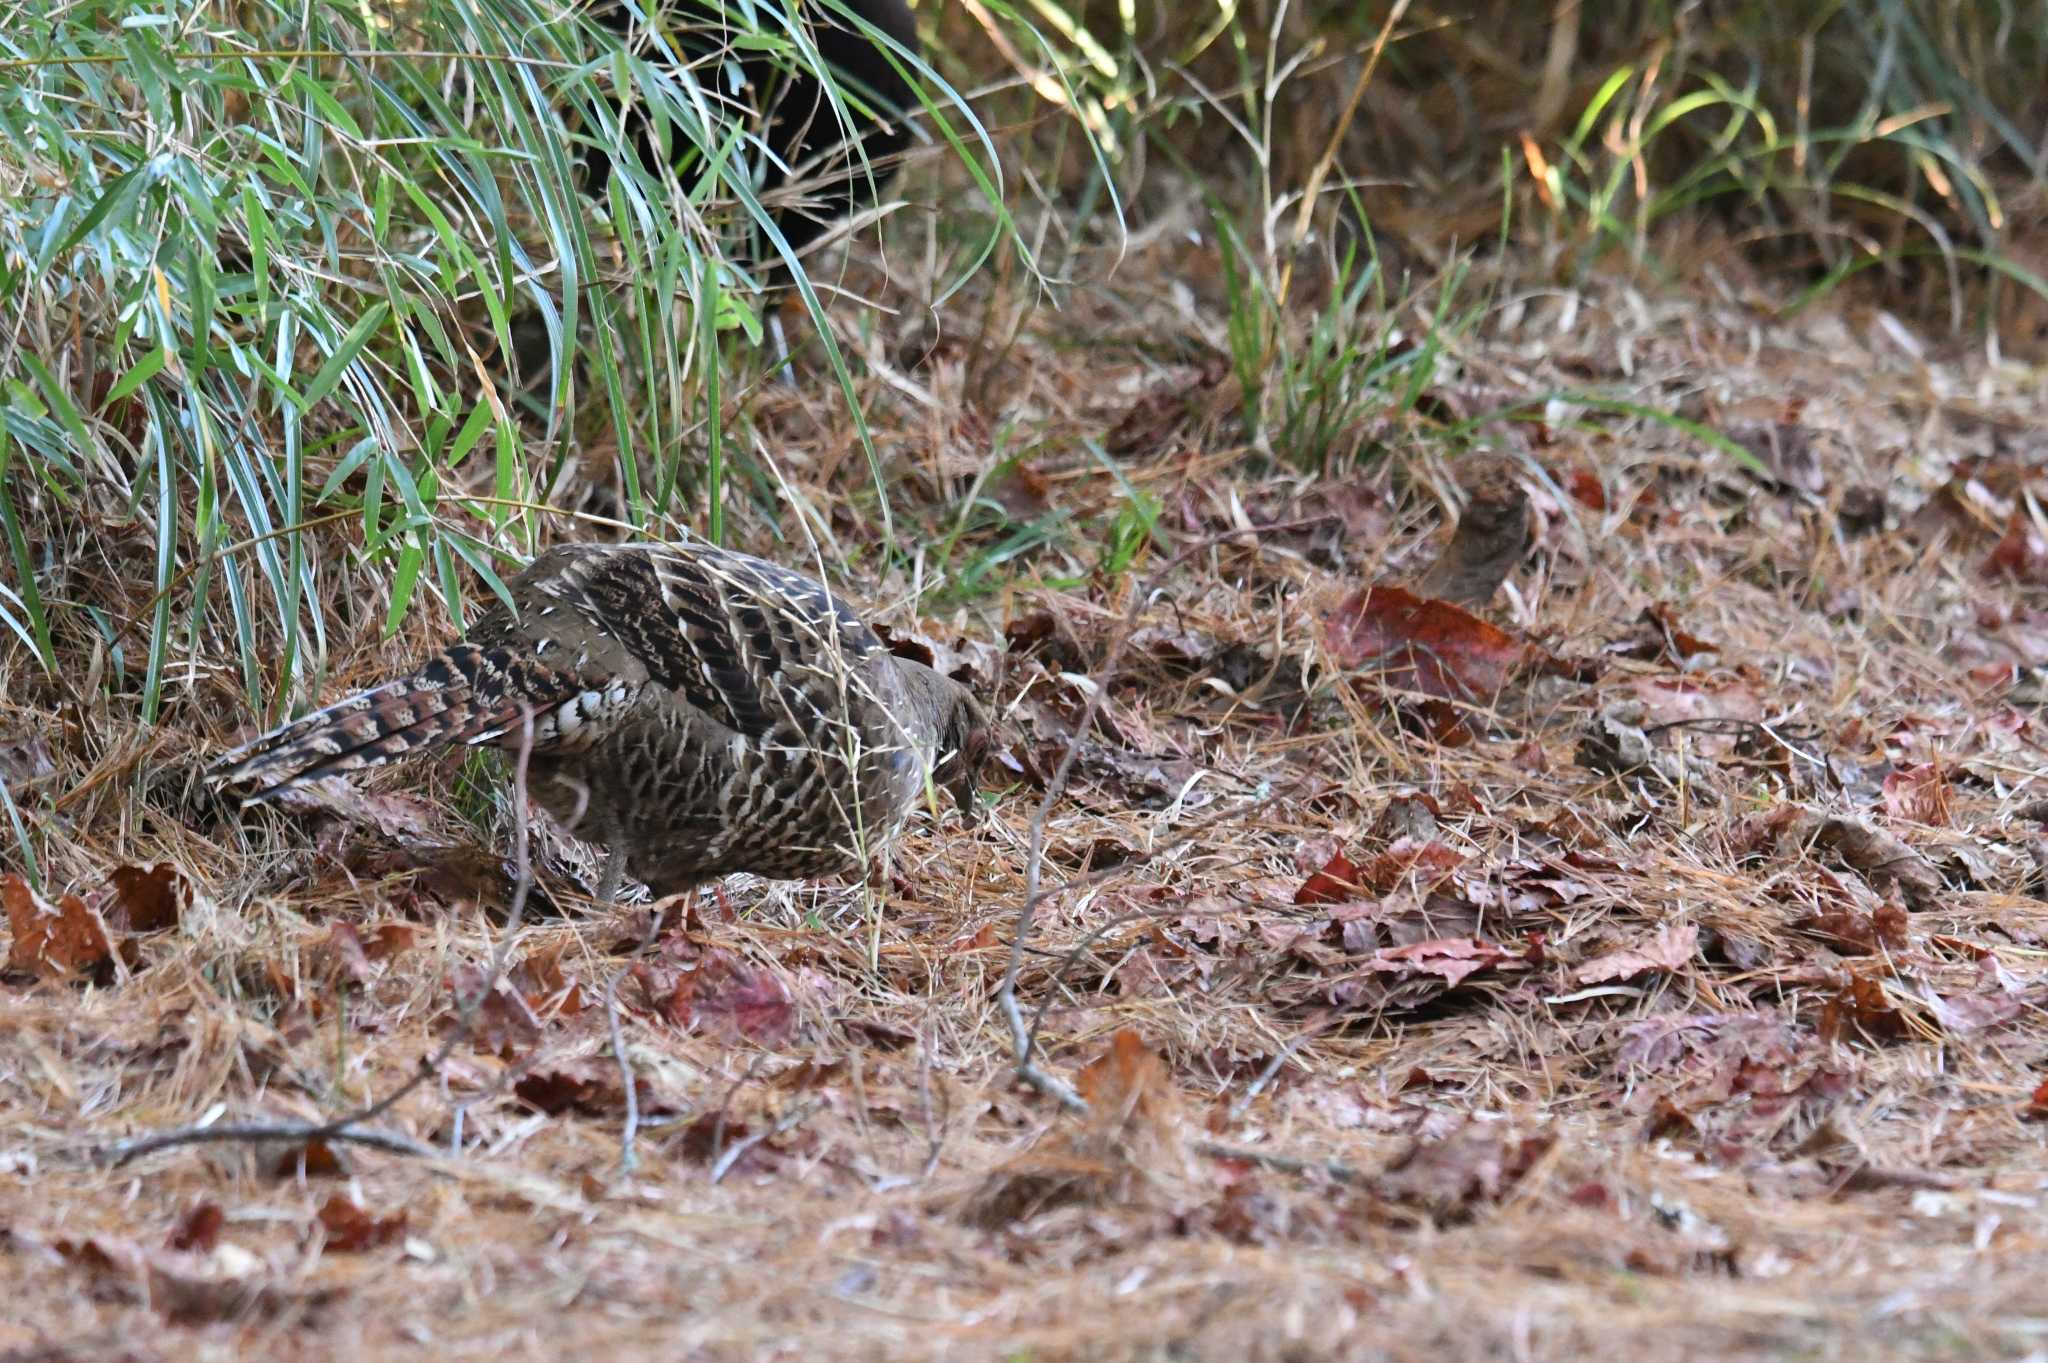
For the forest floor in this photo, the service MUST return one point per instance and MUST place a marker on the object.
(1648, 963)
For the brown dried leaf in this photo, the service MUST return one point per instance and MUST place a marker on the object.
(503, 1023)
(726, 994)
(341, 957)
(52, 942)
(1339, 881)
(1670, 949)
(147, 898)
(1453, 958)
(2021, 554)
(546, 987)
(590, 1088)
(1415, 643)
(351, 1230)
(314, 1159)
(1918, 795)
(198, 1229)
(1493, 536)
(1856, 933)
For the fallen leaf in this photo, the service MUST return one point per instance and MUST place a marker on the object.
(1861, 934)
(53, 941)
(1414, 643)
(590, 1088)
(1861, 1002)
(198, 1229)
(147, 898)
(1658, 637)
(726, 994)
(1129, 1093)
(348, 1229)
(1670, 949)
(546, 987)
(1492, 538)
(1918, 794)
(314, 1159)
(502, 1023)
(387, 940)
(1338, 881)
(1585, 488)
(341, 957)
(1453, 958)
(1879, 857)
(2021, 555)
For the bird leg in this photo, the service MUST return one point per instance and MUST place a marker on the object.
(614, 874)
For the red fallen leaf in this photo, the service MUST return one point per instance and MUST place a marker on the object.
(1337, 882)
(1451, 957)
(1416, 643)
(1409, 864)
(198, 1229)
(981, 939)
(592, 1088)
(2021, 555)
(53, 941)
(725, 993)
(387, 940)
(1669, 950)
(314, 1159)
(1585, 488)
(351, 1230)
(1862, 934)
(1861, 1003)
(1417, 865)
(2036, 1109)
(1128, 1090)
(1657, 634)
(546, 987)
(1918, 795)
(147, 898)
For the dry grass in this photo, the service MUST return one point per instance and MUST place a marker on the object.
(1802, 1136)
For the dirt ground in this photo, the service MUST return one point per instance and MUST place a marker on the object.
(1648, 963)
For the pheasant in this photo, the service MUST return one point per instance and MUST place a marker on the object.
(696, 710)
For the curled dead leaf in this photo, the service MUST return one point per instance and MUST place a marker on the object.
(1669, 949)
(53, 941)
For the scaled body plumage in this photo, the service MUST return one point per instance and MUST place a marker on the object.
(697, 710)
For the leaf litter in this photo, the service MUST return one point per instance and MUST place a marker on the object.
(1638, 889)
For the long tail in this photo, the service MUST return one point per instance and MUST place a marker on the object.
(467, 694)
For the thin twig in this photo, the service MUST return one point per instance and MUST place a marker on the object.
(298, 1133)
(1335, 1170)
(630, 1129)
(737, 1151)
(342, 1128)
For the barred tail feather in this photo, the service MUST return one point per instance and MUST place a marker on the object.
(468, 694)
